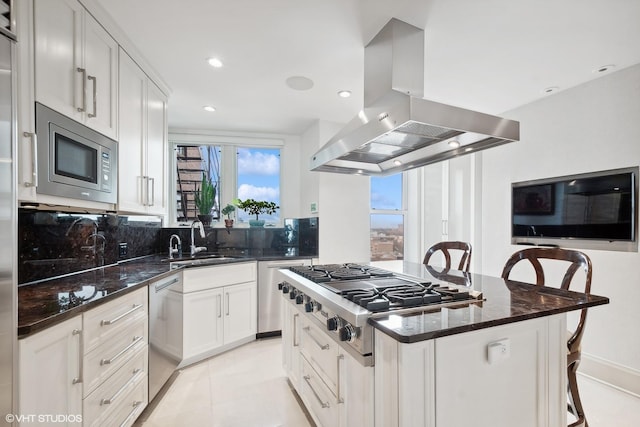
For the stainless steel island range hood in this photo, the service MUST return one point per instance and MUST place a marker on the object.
(399, 130)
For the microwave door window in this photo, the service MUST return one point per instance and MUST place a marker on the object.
(75, 160)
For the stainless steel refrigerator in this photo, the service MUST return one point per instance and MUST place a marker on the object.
(8, 216)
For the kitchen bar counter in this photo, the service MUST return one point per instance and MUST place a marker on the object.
(48, 302)
(503, 303)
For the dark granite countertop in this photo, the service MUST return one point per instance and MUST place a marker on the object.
(48, 302)
(504, 302)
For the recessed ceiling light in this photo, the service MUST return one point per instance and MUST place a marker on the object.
(299, 83)
(550, 89)
(344, 93)
(604, 68)
(215, 62)
(454, 144)
(209, 108)
(397, 162)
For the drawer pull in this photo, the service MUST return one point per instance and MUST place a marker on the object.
(136, 340)
(132, 413)
(78, 379)
(307, 329)
(339, 398)
(123, 315)
(307, 378)
(295, 330)
(121, 390)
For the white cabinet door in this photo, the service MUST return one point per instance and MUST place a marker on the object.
(143, 142)
(101, 90)
(50, 377)
(203, 320)
(156, 149)
(75, 65)
(58, 53)
(131, 161)
(240, 320)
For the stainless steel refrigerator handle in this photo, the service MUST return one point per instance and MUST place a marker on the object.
(117, 394)
(78, 379)
(84, 89)
(307, 329)
(112, 321)
(34, 158)
(136, 340)
(95, 94)
(307, 378)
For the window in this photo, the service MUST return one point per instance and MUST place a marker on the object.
(259, 178)
(237, 171)
(387, 218)
(192, 162)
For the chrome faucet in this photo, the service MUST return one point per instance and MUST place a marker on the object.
(195, 249)
(177, 249)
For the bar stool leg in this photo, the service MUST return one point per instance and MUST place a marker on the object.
(575, 404)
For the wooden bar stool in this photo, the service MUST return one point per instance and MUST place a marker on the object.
(445, 247)
(577, 261)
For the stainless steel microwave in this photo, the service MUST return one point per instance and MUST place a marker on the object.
(73, 160)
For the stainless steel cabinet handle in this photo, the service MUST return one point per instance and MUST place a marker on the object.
(132, 413)
(339, 398)
(285, 265)
(84, 89)
(123, 315)
(117, 394)
(78, 379)
(295, 329)
(136, 340)
(219, 298)
(152, 192)
(307, 378)
(95, 94)
(165, 285)
(307, 329)
(34, 158)
(145, 191)
(227, 293)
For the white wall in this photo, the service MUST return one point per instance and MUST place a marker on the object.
(592, 127)
(342, 201)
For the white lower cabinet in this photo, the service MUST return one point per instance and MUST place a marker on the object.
(50, 374)
(220, 309)
(92, 367)
(461, 380)
(335, 388)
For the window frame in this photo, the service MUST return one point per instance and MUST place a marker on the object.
(403, 211)
(228, 167)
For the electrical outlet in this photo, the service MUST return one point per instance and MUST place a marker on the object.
(122, 250)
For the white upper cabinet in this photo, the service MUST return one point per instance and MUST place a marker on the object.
(76, 65)
(143, 142)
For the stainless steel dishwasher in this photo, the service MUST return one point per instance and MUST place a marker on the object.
(269, 299)
(165, 331)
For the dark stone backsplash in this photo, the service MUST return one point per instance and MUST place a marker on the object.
(52, 244)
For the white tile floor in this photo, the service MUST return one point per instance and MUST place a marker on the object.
(246, 387)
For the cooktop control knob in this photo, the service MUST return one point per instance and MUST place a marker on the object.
(285, 288)
(293, 293)
(308, 306)
(280, 285)
(333, 323)
(347, 333)
(299, 298)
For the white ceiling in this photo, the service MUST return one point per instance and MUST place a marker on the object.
(489, 55)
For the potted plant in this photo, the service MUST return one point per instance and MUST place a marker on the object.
(228, 210)
(256, 207)
(205, 198)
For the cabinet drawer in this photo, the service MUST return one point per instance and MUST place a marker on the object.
(318, 399)
(108, 319)
(105, 399)
(111, 354)
(201, 278)
(132, 405)
(321, 352)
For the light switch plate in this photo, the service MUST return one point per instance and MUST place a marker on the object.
(498, 351)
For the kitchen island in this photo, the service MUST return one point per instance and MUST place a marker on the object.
(497, 360)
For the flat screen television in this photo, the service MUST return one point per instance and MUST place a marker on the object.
(594, 210)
